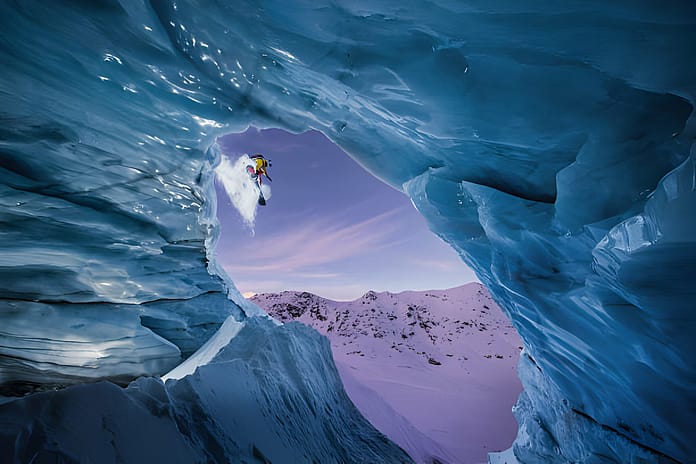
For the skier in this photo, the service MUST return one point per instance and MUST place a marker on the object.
(257, 171)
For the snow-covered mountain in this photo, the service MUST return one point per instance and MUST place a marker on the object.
(435, 371)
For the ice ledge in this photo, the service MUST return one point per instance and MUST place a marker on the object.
(45, 346)
(271, 394)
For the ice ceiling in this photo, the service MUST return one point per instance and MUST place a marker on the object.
(551, 145)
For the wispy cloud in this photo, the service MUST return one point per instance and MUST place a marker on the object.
(440, 265)
(301, 249)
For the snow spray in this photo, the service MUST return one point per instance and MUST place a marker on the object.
(241, 189)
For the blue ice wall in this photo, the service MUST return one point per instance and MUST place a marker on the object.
(551, 145)
(105, 216)
(272, 394)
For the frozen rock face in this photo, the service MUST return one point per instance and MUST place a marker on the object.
(552, 146)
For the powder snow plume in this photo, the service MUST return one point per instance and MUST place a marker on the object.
(240, 188)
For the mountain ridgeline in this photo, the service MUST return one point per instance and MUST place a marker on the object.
(440, 326)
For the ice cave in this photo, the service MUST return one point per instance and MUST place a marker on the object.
(552, 145)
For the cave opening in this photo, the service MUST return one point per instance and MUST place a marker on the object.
(330, 227)
(333, 248)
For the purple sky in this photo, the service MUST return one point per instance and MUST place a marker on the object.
(330, 228)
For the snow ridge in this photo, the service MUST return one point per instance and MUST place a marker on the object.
(434, 325)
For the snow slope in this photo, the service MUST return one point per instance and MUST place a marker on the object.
(435, 371)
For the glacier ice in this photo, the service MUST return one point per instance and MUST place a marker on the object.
(551, 145)
(271, 395)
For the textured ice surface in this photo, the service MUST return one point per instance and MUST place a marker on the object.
(533, 138)
(271, 395)
(104, 223)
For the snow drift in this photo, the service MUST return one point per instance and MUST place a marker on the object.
(551, 145)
